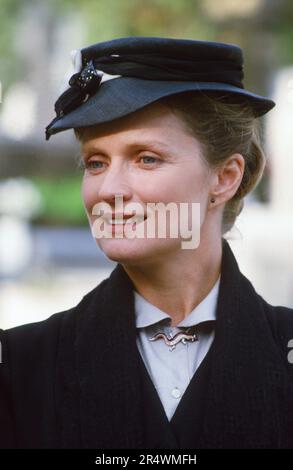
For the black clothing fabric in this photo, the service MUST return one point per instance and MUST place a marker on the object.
(147, 69)
(76, 380)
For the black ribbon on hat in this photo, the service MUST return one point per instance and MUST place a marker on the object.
(148, 66)
(158, 67)
(82, 85)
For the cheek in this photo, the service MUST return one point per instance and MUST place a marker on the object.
(88, 193)
(183, 185)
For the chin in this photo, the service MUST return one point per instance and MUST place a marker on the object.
(134, 251)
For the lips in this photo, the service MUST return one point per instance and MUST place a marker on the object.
(123, 219)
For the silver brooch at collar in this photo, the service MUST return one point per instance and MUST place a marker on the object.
(172, 341)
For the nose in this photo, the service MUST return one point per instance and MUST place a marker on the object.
(115, 183)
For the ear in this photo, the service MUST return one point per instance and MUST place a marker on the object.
(228, 177)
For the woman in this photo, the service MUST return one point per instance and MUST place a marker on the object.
(176, 349)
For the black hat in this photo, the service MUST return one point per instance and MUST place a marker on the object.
(115, 78)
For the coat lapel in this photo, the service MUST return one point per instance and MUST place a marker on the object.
(249, 393)
(107, 364)
(99, 389)
(98, 384)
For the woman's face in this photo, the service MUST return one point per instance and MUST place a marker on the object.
(146, 157)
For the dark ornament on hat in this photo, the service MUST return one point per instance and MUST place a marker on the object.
(83, 85)
(88, 79)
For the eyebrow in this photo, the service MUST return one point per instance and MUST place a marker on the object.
(151, 144)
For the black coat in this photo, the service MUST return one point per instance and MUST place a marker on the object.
(74, 380)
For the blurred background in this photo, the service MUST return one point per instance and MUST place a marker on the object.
(48, 259)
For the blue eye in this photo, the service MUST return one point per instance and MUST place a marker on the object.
(150, 159)
(95, 164)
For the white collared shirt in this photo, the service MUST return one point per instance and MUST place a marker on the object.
(171, 371)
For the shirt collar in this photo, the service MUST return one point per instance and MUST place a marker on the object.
(148, 314)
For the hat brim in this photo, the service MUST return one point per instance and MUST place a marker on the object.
(121, 96)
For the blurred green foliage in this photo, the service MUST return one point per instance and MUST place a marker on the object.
(109, 19)
(62, 201)
(270, 28)
(9, 67)
(104, 20)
